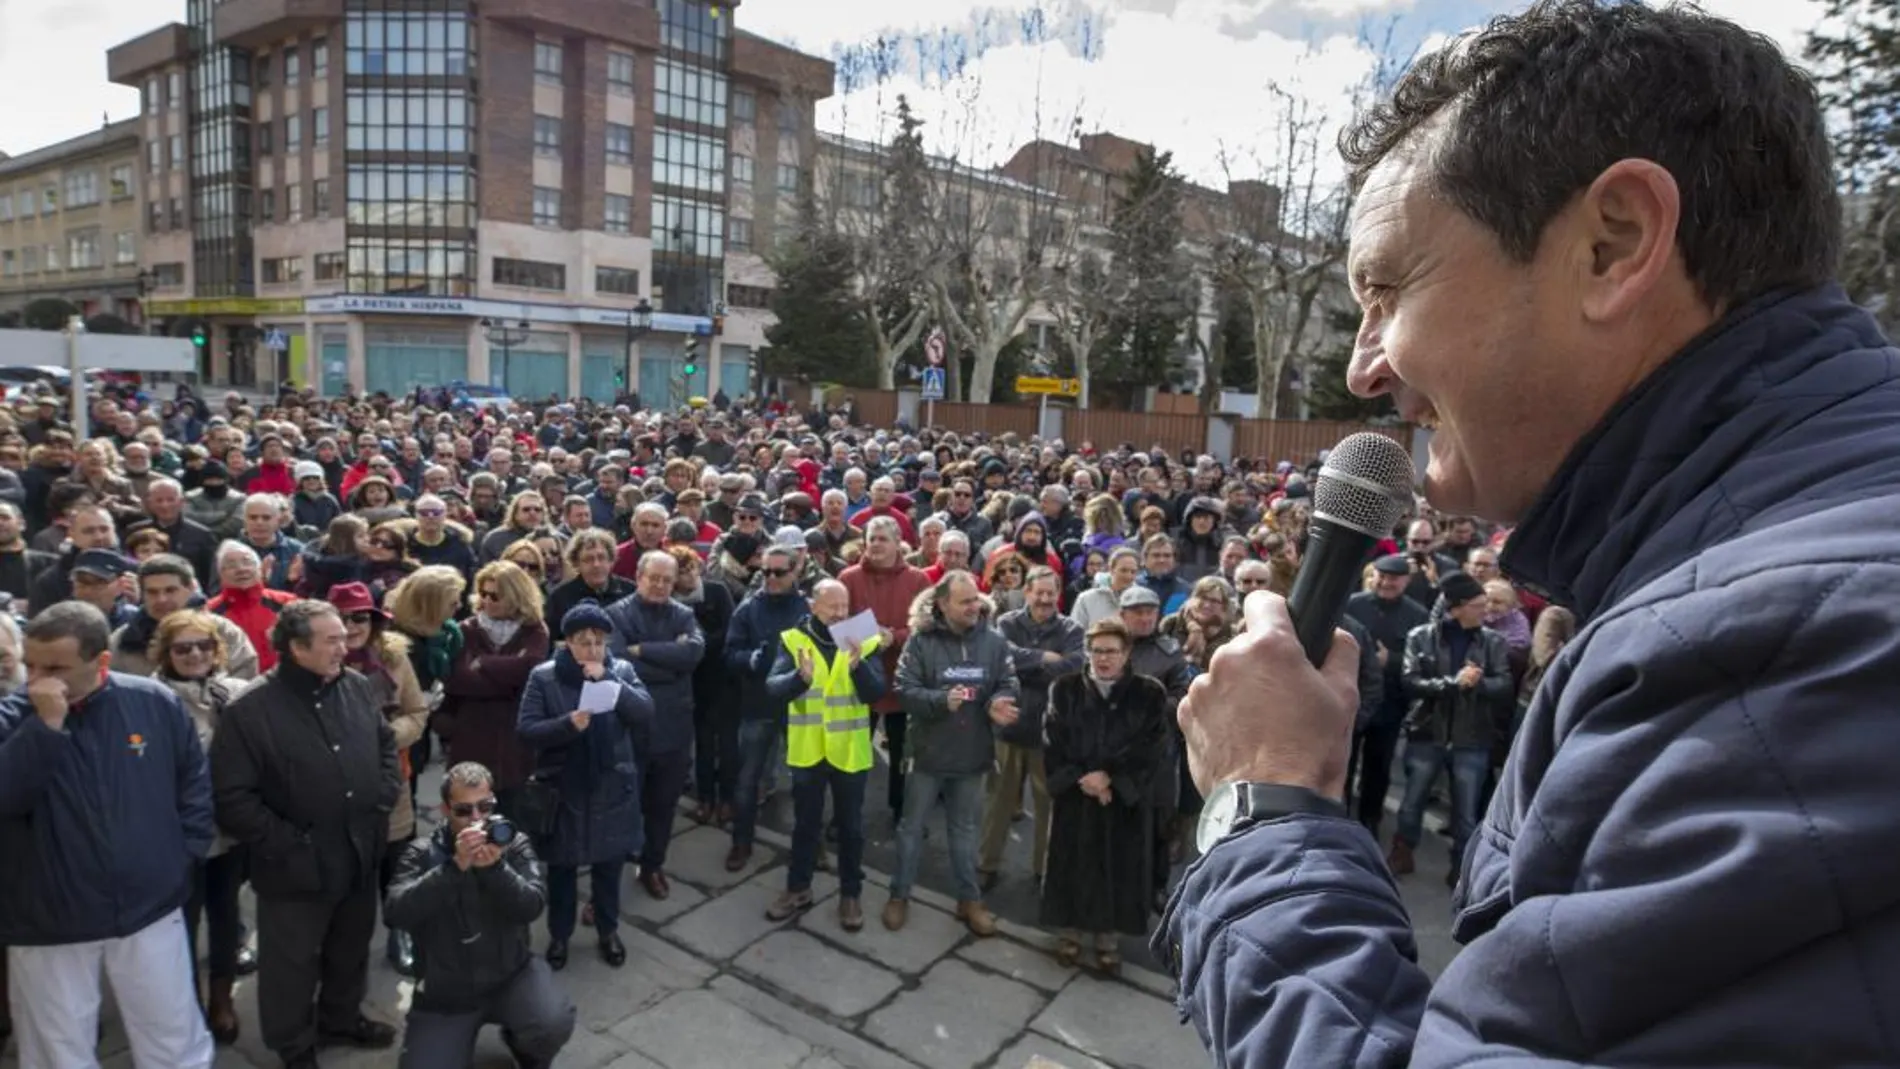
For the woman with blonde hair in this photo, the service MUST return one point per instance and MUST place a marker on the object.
(502, 642)
(189, 653)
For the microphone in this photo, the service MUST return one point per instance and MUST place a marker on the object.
(1364, 487)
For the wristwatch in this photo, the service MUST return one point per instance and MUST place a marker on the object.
(1233, 806)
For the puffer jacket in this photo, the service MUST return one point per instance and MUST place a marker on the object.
(941, 740)
(1690, 856)
(1028, 642)
(470, 928)
(752, 641)
(222, 516)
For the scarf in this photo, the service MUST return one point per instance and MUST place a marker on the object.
(499, 632)
(692, 597)
(593, 755)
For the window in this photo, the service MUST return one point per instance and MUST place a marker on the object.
(407, 120)
(178, 212)
(749, 296)
(177, 151)
(9, 264)
(125, 249)
(329, 266)
(293, 133)
(619, 214)
(319, 126)
(119, 181)
(619, 143)
(860, 190)
(411, 195)
(261, 65)
(30, 260)
(319, 57)
(620, 73)
(621, 280)
(266, 139)
(745, 106)
(293, 67)
(28, 202)
(742, 169)
(739, 234)
(547, 206)
(175, 89)
(82, 189)
(266, 205)
(405, 43)
(320, 198)
(154, 156)
(152, 99)
(51, 256)
(293, 202)
(689, 94)
(788, 177)
(284, 269)
(154, 217)
(547, 61)
(547, 135)
(6, 207)
(82, 250)
(530, 274)
(168, 276)
(49, 199)
(689, 161)
(688, 227)
(788, 117)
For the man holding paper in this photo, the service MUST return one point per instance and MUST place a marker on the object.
(661, 637)
(828, 678)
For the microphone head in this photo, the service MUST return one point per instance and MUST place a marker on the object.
(1365, 484)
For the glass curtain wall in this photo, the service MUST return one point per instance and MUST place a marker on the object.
(409, 147)
(690, 86)
(219, 126)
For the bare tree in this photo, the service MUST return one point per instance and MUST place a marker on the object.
(1084, 296)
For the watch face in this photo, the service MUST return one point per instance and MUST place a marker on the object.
(1217, 816)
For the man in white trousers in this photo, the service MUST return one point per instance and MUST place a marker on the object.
(105, 806)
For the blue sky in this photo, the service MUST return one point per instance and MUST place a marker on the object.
(1190, 75)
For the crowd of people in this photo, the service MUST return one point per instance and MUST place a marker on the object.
(238, 637)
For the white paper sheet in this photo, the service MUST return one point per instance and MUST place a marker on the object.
(857, 629)
(599, 697)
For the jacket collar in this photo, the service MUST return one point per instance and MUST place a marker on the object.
(1602, 525)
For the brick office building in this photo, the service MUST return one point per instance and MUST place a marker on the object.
(415, 191)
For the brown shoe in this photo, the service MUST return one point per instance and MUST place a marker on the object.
(896, 912)
(737, 857)
(788, 904)
(978, 917)
(850, 914)
(656, 883)
(1399, 858)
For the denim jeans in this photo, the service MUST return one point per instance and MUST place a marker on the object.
(1469, 767)
(847, 805)
(564, 897)
(756, 740)
(963, 808)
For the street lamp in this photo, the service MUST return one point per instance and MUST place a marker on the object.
(639, 324)
(500, 332)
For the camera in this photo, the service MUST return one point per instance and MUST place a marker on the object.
(501, 830)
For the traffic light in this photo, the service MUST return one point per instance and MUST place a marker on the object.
(692, 357)
(199, 336)
(620, 376)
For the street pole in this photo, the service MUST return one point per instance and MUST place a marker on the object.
(76, 329)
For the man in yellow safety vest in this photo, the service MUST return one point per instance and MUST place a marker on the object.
(828, 693)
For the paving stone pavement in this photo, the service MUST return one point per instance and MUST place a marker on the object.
(709, 983)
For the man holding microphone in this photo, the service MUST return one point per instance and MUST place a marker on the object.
(1689, 859)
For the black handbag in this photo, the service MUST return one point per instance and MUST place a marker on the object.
(537, 808)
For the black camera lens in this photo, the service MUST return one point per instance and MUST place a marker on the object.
(501, 831)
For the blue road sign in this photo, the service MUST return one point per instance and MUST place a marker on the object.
(933, 384)
(276, 340)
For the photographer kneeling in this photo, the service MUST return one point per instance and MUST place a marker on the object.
(467, 895)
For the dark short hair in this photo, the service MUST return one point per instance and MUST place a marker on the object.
(293, 623)
(168, 564)
(79, 620)
(1541, 103)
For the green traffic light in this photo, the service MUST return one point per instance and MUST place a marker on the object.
(198, 337)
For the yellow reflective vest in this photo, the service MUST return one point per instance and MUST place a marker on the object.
(828, 722)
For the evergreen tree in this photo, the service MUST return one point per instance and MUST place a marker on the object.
(48, 313)
(1143, 346)
(1856, 61)
(820, 334)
